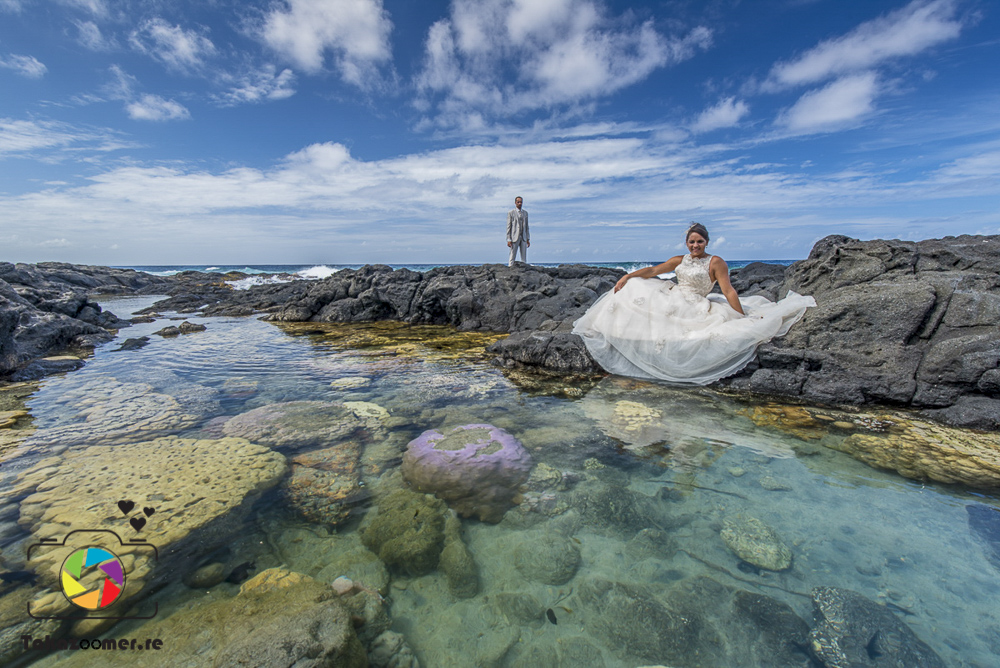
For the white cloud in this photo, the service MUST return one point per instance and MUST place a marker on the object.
(12, 6)
(356, 32)
(90, 36)
(26, 66)
(155, 108)
(43, 137)
(834, 105)
(904, 32)
(561, 52)
(725, 114)
(321, 192)
(179, 49)
(23, 136)
(264, 84)
(95, 7)
(55, 243)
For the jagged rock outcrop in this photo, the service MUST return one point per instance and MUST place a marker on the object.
(47, 307)
(896, 322)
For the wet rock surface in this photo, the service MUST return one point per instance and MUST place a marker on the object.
(857, 632)
(48, 307)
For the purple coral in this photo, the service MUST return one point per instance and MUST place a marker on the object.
(476, 468)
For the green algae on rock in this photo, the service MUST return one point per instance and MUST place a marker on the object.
(407, 531)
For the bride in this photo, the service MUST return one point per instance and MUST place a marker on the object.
(679, 333)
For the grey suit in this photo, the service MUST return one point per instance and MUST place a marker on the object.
(517, 234)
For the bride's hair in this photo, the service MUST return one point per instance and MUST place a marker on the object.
(699, 228)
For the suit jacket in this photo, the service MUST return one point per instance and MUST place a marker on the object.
(517, 225)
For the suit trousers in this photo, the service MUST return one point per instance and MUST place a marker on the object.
(523, 245)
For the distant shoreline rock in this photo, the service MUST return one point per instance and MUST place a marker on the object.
(898, 323)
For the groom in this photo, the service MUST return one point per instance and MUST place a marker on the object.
(517, 232)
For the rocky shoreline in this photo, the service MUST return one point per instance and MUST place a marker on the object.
(898, 323)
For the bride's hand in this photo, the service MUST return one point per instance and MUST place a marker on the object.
(621, 283)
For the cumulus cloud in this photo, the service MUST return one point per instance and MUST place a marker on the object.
(354, 32)
(904, 32)
(560, 52)
(260, 85)
(845, 100)
(725, 114)
(155, 108)
(178, 49)
(26, 66)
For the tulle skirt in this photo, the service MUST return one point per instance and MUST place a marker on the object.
(657, 330)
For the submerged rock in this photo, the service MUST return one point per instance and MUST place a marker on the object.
(389, 650)
(855, 631)
(325, 484)
(188, 497)
(407, 531)
(110, 412)
(457, 562)
(756, 543)
(984, 521)
(296, 425)
(546, 557)
(635, 625)
(794, 420)
(476, 468)
(924, 451)
(279, 618)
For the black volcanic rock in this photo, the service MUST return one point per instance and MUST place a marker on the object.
(897, 322)
(47, 308)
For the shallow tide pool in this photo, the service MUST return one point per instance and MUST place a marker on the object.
(640, 480)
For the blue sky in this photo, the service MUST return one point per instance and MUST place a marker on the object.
(347, 131)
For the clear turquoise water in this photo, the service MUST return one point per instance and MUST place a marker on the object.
(696, 460)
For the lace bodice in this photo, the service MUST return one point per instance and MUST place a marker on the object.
(693, 275)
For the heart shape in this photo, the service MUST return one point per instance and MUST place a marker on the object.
(126, 506)
(149, 511)
(137, 523)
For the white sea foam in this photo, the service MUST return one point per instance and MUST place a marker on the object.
(317, 272)
(311, 274)
(250, 281)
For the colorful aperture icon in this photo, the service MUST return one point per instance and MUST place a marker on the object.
(93, 578)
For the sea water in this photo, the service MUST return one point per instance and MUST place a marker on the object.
(694, 458)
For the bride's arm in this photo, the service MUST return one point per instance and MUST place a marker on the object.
(720, 273)
(650, 272)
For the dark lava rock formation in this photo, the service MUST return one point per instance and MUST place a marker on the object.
(48, 308)
(911, 324)
(897, 322)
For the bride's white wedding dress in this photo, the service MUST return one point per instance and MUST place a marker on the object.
(680, 333)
